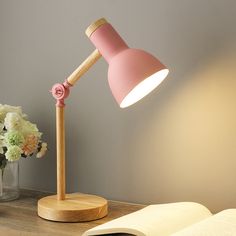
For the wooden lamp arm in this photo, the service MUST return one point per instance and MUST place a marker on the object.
(84, 67)
(60, 92)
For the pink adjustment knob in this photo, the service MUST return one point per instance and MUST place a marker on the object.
(60, 92)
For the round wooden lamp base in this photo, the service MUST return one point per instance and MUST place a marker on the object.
(76, 207)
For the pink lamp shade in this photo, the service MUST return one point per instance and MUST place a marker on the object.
(132, 73)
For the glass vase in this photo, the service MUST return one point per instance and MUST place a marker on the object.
(9, 181)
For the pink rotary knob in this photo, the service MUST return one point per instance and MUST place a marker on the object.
(60, 92)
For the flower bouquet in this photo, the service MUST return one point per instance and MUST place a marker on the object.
(18, 138)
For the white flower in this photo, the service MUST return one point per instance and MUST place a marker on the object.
(4, 109)
(13, 153)
(1, 127)
(42, 150)
(29, 128)
(2, 144)
(13, 121)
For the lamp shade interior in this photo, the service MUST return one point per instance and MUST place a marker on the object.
(144, 88)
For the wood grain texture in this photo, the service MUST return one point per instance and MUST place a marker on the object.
(77, 207)
(94, 26)
(84, 67)
(19, 218)
(60, 127)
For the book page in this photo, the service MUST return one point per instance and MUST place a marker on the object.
(154, 220)
(221, 224)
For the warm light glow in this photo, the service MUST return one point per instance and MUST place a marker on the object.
(144, 88)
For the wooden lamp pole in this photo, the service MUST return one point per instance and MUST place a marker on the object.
(60, 92)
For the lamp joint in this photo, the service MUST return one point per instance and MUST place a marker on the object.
(60, 92)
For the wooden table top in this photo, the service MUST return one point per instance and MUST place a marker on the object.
(20, 217)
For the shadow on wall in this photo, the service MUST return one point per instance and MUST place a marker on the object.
(188, 142)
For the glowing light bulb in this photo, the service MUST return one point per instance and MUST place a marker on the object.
(144, 88)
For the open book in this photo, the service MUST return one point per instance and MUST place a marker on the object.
(175, 219)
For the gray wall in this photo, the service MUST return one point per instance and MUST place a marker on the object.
(178, 144)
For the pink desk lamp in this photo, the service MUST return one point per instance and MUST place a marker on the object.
(132, 74)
